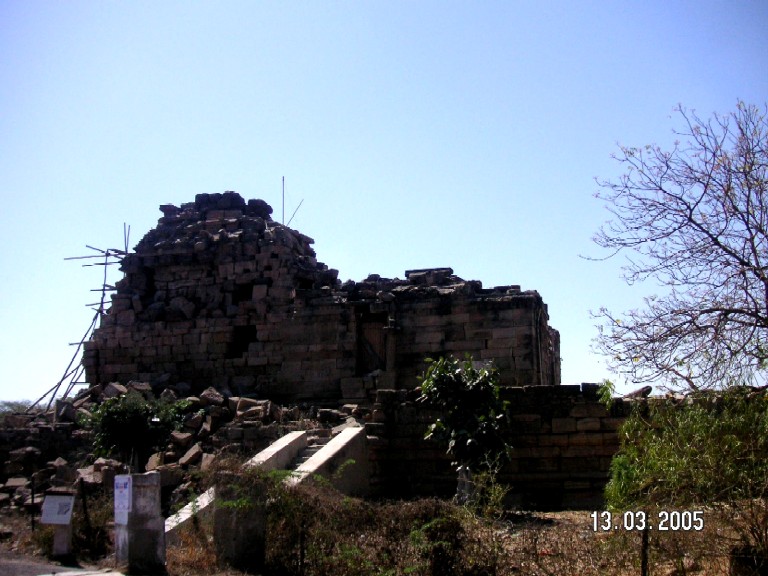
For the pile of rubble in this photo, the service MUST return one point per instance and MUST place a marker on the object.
(53, 449)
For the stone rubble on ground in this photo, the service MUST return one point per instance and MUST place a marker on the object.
(214, 423)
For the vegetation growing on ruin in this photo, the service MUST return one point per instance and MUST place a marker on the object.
(474, 423)
(131, 427)
(314, 531)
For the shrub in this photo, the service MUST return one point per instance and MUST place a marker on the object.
(131, 427)
(710, 451)
(474, 422)
(313, 530)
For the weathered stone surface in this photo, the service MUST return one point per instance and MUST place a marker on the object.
(168, 395)
(16, 420)
(211, 396)
(194, 421)
(13, 484)
(58, 462)
(65, 411)
(114, 389)
(207, 461)
(183, 439)
(24, 455)
(143, 388)
(563, 425)
(192, 456)
(101, 463)
(225, 297)
(170, 475)
(89, 475)
(326, 416)
(253, 413)
(155, 461)
(181, 307)
(244, 403)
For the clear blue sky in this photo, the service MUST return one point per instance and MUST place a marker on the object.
(418, 134)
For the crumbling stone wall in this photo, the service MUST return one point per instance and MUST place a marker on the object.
(220, 294)
(563, 439)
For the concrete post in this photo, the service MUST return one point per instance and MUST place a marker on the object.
(139, 523)
(62, 541)
(57, 510)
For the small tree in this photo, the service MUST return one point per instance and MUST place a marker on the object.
(695, 220)
(474, 425)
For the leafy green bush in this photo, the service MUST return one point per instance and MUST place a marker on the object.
(475, 424)
(130, 427)
(710, 451)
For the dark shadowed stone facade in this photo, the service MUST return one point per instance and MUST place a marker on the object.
(220, 294)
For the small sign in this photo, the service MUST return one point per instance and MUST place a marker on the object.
(57, 509)
(123, 501)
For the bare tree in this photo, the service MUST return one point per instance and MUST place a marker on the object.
(695, 220)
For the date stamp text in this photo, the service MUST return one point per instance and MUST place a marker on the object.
(662, 521)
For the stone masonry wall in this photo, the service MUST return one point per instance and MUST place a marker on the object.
(218, 294)
(563, 439)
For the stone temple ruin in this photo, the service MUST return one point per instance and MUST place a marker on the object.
(220, 294)
(227, 308)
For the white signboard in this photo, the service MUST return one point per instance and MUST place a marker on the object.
(123, 502)
(57, 509)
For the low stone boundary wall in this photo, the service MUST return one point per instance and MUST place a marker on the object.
(563, 440)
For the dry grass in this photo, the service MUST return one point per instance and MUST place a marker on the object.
(194, 554)
(429, 537)
(564, 543)
(315, 531)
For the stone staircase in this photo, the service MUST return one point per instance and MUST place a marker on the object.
(314, 445)
(306, 456)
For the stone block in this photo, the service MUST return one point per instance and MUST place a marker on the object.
(563, 425)
(192, 456)
(193, 421)
(588, 424)
(170, 475)
(13, 484)
(252, 413)
(588, 410)
(581, 451)
(611, 423)
(232, 403)
(211, 397)
(527, 422)
(102, 463)
(585, 439)
(259, 292)
(114, 389)
(181, 439)
(207, 461)
(154, 462)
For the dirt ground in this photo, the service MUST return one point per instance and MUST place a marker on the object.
(562, 543)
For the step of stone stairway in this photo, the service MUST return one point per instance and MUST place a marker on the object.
(314, 446)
